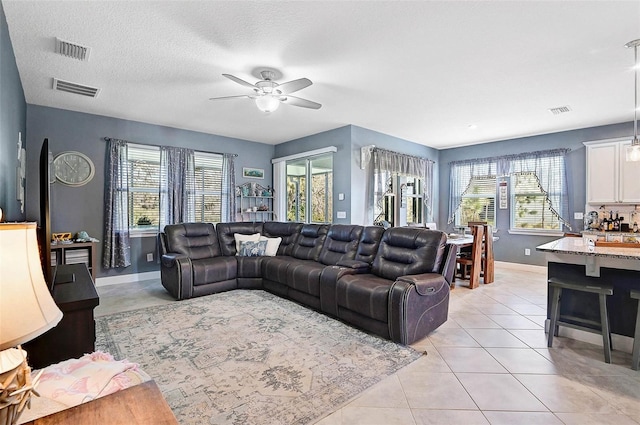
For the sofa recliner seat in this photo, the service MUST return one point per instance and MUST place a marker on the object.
(393, 283)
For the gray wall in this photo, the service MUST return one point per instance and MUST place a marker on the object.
(13, 120)
(348, 177)
(511, 248)
(341, 139)
(364, 137)
(81, 208)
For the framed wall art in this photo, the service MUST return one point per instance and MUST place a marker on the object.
(253, 173)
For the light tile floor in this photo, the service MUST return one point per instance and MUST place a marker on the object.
(488, 364)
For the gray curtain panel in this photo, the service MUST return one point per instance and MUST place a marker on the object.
(228, 187)
(117, 247)
(177, 185)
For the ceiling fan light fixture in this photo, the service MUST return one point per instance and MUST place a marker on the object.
(633, 151)
(267, 103)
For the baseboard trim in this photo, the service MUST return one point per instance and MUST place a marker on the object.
(520, 266)
(127, 278)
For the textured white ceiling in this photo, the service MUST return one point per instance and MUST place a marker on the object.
(419, 70)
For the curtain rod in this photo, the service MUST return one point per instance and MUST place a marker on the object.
(108, 139)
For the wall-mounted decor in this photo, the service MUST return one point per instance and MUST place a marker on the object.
(503, 194)
(253, 173)
(21, 173)
(73, 168)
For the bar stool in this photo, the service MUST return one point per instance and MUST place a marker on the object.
(556, 320)
(635, 362)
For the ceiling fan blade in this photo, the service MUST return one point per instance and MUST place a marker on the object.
(232, 97)
(298, 101)
(239, 81)
(294, 86)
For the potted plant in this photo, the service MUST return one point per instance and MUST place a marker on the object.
(144, 221)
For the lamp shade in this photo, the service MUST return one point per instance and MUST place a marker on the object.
(26, 306)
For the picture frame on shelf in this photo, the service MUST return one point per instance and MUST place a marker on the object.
(253, 173)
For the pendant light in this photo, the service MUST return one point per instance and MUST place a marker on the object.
(633, 151)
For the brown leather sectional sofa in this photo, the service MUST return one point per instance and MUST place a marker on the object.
(393, 283)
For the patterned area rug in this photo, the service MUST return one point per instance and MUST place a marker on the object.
(249, 357)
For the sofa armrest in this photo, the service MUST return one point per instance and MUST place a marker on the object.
(426, 283)
(176, 275)
(357, 266)
(418, 304)
(328, 283)
(448, 267)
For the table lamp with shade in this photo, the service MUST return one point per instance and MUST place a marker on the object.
(26, 311)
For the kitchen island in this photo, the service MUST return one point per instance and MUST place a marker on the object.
(572, 259)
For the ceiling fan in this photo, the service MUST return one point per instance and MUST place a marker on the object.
(269, 94)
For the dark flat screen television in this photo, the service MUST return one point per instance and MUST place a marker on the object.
(45, 219)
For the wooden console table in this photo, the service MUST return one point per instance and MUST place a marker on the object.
(75, 335)
(140, 404)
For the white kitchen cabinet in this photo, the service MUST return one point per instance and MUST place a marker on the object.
(610, 178)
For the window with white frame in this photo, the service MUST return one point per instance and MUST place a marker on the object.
(538, 198)
(206, 198)
(478, 201)
(144, 188)
(530, 205)
(402, 200)
(209, 188)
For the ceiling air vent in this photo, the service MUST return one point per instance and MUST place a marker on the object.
(72, 50)
(560, 110)
(75, 88)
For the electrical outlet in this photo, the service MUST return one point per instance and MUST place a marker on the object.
(150, 256)
(578, 216)
(527, 251)
(341, 214)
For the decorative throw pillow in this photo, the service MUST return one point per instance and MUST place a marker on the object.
(252, 249)
(272, 245)
(239, 237)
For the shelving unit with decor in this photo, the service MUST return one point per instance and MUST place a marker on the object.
(76, 253)
(255, 202)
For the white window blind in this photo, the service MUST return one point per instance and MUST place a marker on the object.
(209, 187)
(478, 201)
(144, 189)
(531, 206)
(206, 199)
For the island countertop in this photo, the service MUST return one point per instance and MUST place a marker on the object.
(577, 246)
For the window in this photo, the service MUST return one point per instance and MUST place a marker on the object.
(415, 201)
(538, 198)
(530, 207)
(146, 189)
(208, 191)
(478, 202)
(310, 188)
(538, 192)
(402, 201)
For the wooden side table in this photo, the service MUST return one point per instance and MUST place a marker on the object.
(140, 404)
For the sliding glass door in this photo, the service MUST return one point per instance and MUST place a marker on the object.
(310, 189)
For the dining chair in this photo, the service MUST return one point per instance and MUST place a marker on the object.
(487, 255)
(472, 262)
